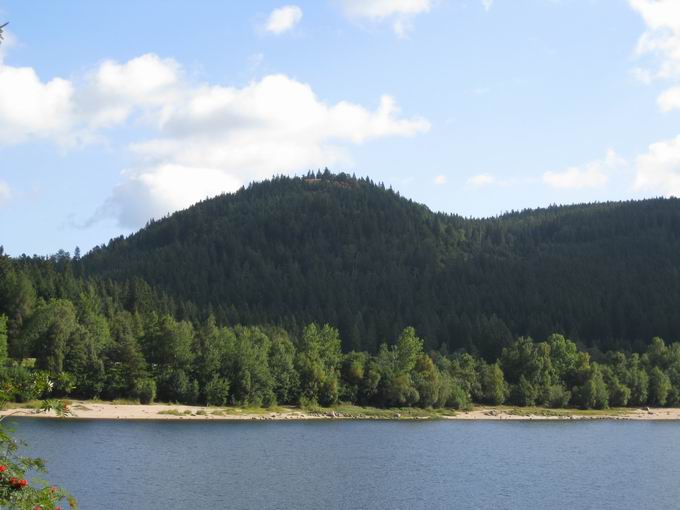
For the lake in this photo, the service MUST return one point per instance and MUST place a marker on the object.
(149, 465)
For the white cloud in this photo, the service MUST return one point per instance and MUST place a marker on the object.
(399, 12)
(30, 107)
(227, 136)
(69, 112)
(381, 9)
(440, 180)
(156, 191)
(210, 139)
(113, 91)
(661, 41)
(482, 180)
(200, 139)
(487, 4)
(5, 192)
(594, 174)
(658, 170)
(283, 19)
(669, 99)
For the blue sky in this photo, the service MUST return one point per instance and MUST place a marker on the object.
(112, 113)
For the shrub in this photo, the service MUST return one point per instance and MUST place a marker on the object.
(557, 396)
(458, 397)
(146, 391)
(217, 392)
(524, 393)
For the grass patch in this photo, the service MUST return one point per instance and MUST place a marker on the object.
(240, 411)
(362, 412)
(31, 404)
(125, 402)
(560, 413)
(176, 412)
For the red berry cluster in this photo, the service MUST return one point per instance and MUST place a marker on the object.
(17, 484)
(14, 481)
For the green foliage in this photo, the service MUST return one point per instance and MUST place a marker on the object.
(282, 365)
(75, 336)
(217, 392)
(659, 387)
(594, 393)
(557, 396)
(3, 339)
(47, 333)
(407, 351)
(523, 393)
(18, 493)
(318, 363)
(493, 387)
(427, 382)
(333, 249)
(247, 367)
(174, 385)
(146, 390)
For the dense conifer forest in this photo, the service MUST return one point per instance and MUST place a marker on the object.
(328, 288)
(347, 252)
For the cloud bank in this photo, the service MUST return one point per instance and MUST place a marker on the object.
(202, 139)
(658, 170)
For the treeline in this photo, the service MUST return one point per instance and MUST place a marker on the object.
(334, 249)
(93, 346)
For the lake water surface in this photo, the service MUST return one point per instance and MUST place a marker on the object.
(118, 465)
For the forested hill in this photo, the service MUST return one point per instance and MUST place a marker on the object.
(335, 249)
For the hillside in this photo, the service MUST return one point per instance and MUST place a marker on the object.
(332, 248)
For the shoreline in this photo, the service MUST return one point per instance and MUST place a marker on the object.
(85, 410)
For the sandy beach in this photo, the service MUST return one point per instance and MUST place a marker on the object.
(112, 411)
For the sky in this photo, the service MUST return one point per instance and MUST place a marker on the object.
(113, 113)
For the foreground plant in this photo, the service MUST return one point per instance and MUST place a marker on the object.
(16, 492)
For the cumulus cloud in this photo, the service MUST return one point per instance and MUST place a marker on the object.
(661, 42)
(398, 12)
(594, 174)
(68, 112)
(113, 91)
(227, 136)
(658, 171)
(30, 107)
(482, 180)
(156, 191)
(487, 4)
(200, 139)
(283, 19)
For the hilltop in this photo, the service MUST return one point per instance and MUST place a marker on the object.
(335, 249)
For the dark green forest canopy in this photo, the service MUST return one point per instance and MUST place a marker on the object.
(61, 335)
(304, 291)
(334, 249)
